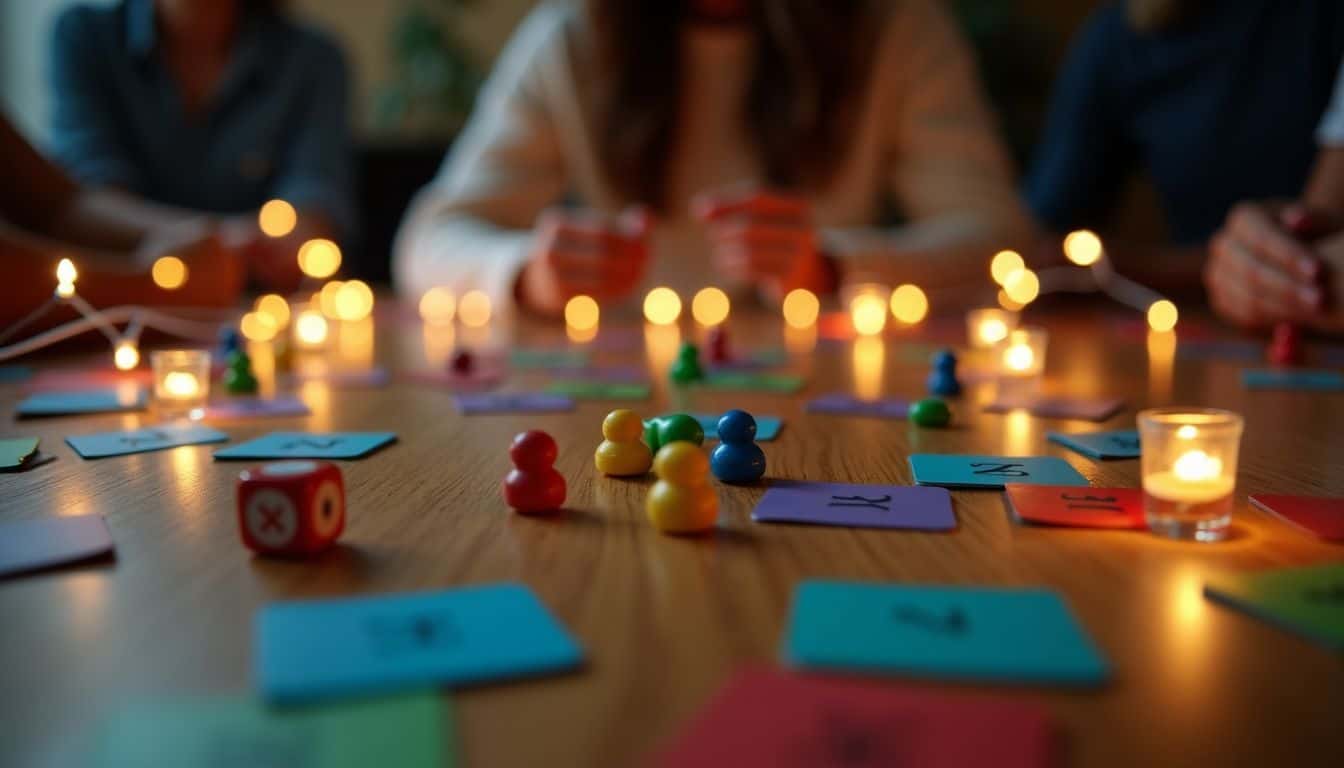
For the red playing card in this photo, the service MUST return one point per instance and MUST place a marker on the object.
(767, 717)
(1323, 517)
(1078, 507)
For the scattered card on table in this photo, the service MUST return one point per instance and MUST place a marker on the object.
(764, 718)
(1276, 378)
(993, 635)
(480, 380)
(959, 471)
(1071, 507)
(1323, 517)
(547, 359)
(857, 506)
(349, 646)
(309, 445)
(744, 381)
(110, 400)
(1306, 601)
(103, 444)
(514, 402)
(1111, 444)
(16, 452)
(1055, 407)
(599, 390)
(618, 374)
(81, 379)
(256, 408)
(767, 427)
(847, 405)
(770, 357)
(368, 378)
(215, 731)
(29, 545)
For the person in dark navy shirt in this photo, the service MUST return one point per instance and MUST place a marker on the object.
(212, 107)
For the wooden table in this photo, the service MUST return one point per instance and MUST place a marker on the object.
(665, 620)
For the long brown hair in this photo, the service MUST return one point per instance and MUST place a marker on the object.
(810, 71)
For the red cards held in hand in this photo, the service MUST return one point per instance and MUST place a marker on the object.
(766, 717)
(1323, 517)
(1077, 507)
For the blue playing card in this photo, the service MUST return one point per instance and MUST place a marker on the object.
(1273, 378)
(103, 444)
(995, 635)
(105, 400)
(767, 427)
(1111, 444)
(308, 445)
(321, 648)
(513, 402)
(958, 471)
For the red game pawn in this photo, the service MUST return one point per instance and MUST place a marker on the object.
(462, 363)
(718, 344)
(533, 486)
(1286, 347)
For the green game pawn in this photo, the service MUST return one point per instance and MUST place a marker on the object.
(238, 378)
(686, 369)
(930, 412)
(661, 430)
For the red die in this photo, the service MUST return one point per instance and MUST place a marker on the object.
(291, 507)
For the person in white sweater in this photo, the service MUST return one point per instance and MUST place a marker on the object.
(757, 145)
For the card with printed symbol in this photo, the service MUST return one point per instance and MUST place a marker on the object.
(110, 400)
(955, 633)
(214, 731)
(858, 506)
(104, 444)
(17, 451)
(513, 402)
(960, 471)
(309, 445)
(841, 404)
(1072, 507)
(747, 381)
(765, 717)
(1305, 601)
(1293, 379)
(1058, 407)
(1323, 517)
(255, 408)
(1111, 444)
(582, 389)
(326, 648)
(30, 545)
(767, 427)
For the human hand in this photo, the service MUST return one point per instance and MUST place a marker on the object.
(764, 238)
(584, 253)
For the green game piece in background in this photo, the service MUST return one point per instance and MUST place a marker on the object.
(661, 430)
(238, 378)
(1307, 601)
(930, 412)
(15, 452)
(204, 732)
(744, 381)
(686, 368)
(599, 390)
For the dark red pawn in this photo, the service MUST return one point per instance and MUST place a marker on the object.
(718, 344)
(462, 363)
(533, 486)
(1286, 346)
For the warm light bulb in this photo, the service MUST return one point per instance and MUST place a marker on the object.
(126, 356)
(310, 328)
(274, 305)
(801, 308)
(1006, 302)
(1004, 264)
(1022, 286)
(868, 312)
(1197, 466)
(169, 273)
(256, 326)
(438, 306)
(474, 309)
(662, 306)
(181, 385)
(319, 258)
(1019, 357)
(277, 218)
(326, 298)
(354, 300)
(993, 330)
(1162, 315)
(581, 313)
(710, 306)
(65, 278)
(1083, 248)
(909, 304)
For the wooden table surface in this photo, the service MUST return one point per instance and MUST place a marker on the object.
(665, 620)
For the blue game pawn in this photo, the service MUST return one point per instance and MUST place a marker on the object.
(230, 341)
(943, 379)
(738, 459)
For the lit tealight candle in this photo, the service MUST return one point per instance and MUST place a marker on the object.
(985, 328)
(1189, 469)
(1021, 357)
(181, 382)
(310, 329)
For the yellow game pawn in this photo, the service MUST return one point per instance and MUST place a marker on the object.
(682, 501)
(622, 453)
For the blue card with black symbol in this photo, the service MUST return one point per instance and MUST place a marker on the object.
(103, 444)
(106, 400)
(956, 633)
(1293, 379)
(316, 649)
(1111, 444)
(309, 445)
(959, 471)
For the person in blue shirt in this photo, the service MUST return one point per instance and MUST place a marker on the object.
(1216, 101)
(203, 110)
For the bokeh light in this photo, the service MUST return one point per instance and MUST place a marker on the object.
(581, 313)
(65, 278)
(310, 328)
(1162, 315)
(326, 298)
(277, 218)
(801, 308)
(438, 306)
(868, 312)
(274, 304)
(1004, 264)
(354, 300)
(1007, 302)
(126, 356)
(909, 304)
(1022, 286)
(710, 306)
(662, 306)
(474, 309)
(169, 273)
(319, 258)
(256, 326)
(1082, 247)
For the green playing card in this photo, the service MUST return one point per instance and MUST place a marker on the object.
(599, 390)
(745, 381)
(548, 358)
(15, 451)
(1308, 601)
(201, 732)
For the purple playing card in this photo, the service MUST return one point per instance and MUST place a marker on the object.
(370, 377)
(252, 407)
(859, 506)
(1088, 409)
(846, 405)
(28, 545)
(618, 374)
(514, 402)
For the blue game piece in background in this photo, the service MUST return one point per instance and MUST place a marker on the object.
(230, 341)
(943, 379)
(737, 459)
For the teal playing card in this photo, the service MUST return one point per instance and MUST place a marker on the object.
(323, 648)
(1308, 601)
(747, 381)
(767, 427)
(1112, 444)
(581, 389)
(106, 400)
(992, 635)
(104, 444)
(958, 471)
(215, 731)
(309, 445)
(1277, 378)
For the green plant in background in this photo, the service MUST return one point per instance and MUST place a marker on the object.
(434, 76)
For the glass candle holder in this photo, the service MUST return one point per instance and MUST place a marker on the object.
(1189, 469)
(867, 305)
(181, 382)
(1020, 360)
(985, 328)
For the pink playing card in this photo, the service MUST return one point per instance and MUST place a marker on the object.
(1077, 507)
(1058, 407)
(1323, 517)
(767, 717)
(29, 545)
